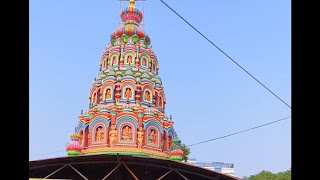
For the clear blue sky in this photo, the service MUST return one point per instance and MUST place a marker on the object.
(207, 95)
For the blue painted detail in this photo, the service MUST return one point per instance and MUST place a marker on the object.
(147, 80)
(171, 131)
(125, 100)
(147, 103)
(81, 125)
(127, 118)
(128, 77)
(135, 30)
(155, 123)
(99, 119)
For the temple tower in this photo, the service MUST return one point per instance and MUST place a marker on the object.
(126, 112)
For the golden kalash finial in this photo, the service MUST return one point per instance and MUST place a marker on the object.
(132, 2)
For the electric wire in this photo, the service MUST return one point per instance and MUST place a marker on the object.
(225, 53)
(239, 132)
(221, 137)
(52, 152)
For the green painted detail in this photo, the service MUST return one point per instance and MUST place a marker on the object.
(119, 73)
(124, 38)
(176, 158)
(113, 41)
(140, 114)
(128, 153)
(73, 153)
(138, 79)
(135, 38)
(113, 113)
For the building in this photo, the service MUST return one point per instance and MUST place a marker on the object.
(126, 112)
(224, 168)
(125, 133)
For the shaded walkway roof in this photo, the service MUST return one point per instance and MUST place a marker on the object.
(120, 167)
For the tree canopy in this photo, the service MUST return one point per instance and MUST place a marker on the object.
(267, 175)
(186, 151)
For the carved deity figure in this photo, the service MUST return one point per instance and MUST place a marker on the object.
(128, 93)
(140, 137)
(147, 96)
(80, 137)
(114, 60)
(160, 102)
(144, 62)
(129, 59)
(99, 134)
(152, 138)
(112, 135)
(108, 94)
(169, 142)
(126, 133)
(94, 98)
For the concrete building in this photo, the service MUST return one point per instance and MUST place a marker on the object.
(224, 168)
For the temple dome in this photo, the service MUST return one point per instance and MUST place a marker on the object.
(131, 13)
(129, 30)
(176, 154)
(74, 147)
(131, 17)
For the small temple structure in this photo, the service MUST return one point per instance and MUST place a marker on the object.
(125, 133)
(127, 100)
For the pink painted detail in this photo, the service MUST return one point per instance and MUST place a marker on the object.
(74, 146)
(176, 152)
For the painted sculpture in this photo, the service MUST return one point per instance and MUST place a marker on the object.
(127, 101)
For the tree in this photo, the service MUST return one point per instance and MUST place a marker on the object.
(267, 175)
(186, 151)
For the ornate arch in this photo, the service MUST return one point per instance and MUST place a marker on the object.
(81, 136)
(108, 93)
(94, 89)
(169, 141)
(133, 119)
(94, 97)
(128, 92)
(170, 130)
(147, 95)
(161, 102)
(127, 55)
(161, 93)
(154, 123)
(81, 125)
(95, 131)
(148, 85)
(153, 136)
(127, 131)
(114, 59)
(144, 61)
(99, 133)
(99, 119)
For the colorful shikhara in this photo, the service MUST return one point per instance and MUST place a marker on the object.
(127, 100)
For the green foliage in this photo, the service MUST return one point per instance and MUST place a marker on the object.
(186, 151)
(267, 175)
